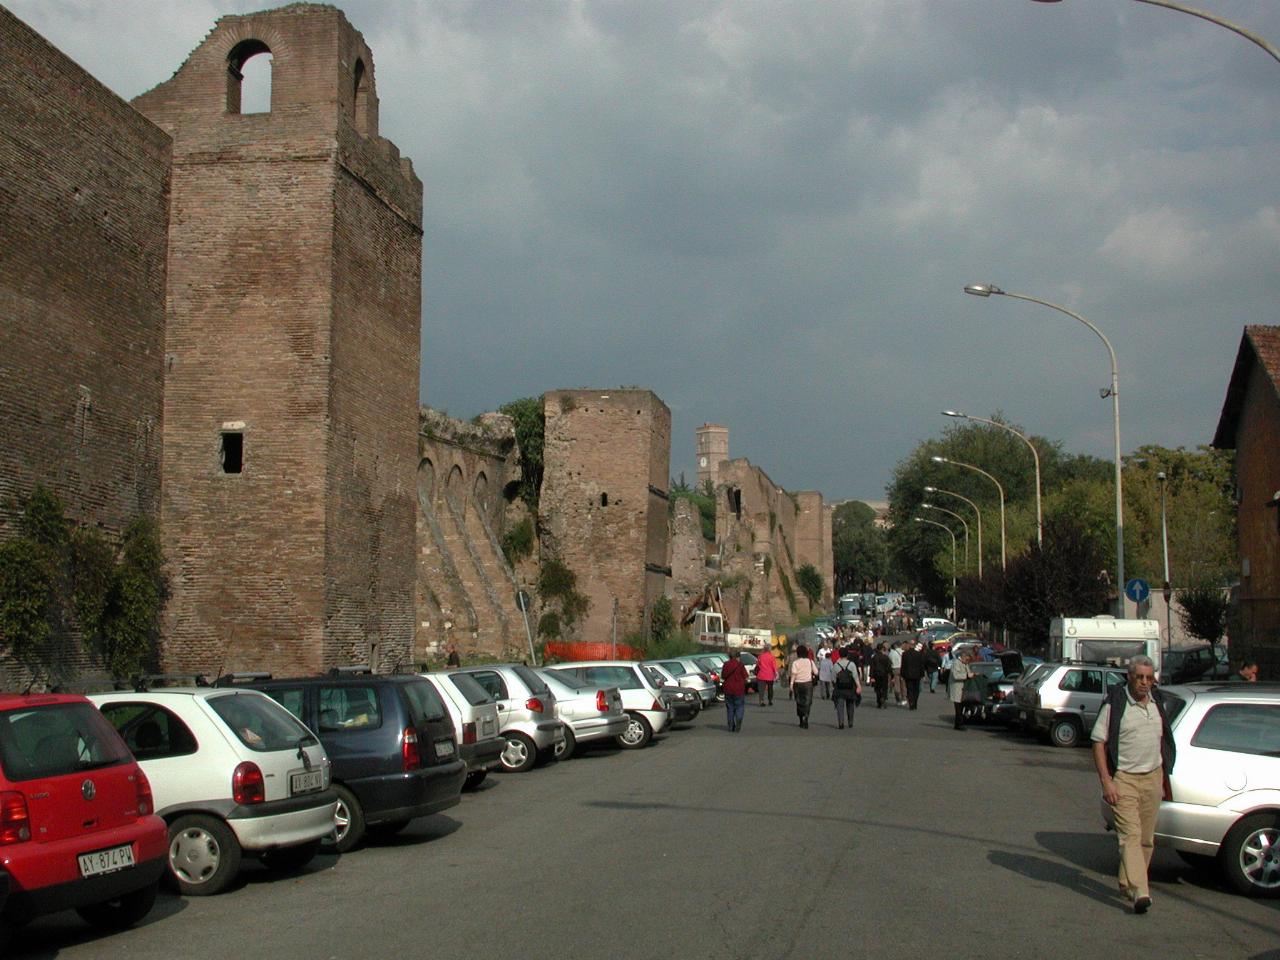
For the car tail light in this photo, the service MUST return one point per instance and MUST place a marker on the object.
(143, 785)
(602, 704)
(409, 752)
(997, 695)
(15, 823)
(247, 785)
(703, 677)
(469, 732)
(658, 707)
(534, 704)
(715, 677)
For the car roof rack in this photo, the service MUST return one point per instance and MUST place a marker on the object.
(144, 682)
(242, 676)
(352, 670)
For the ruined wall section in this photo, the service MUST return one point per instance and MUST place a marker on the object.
(84, 194)
(465, 586)
(689, 570)
(295, 240)
(813, 539)
(603, 506)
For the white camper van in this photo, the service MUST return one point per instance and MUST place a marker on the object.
(1104, 640)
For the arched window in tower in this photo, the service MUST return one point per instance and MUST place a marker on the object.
(249, 78)
(360, 98)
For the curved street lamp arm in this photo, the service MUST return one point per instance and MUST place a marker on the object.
(1220, 21)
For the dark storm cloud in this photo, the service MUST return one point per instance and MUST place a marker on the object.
(765, 211)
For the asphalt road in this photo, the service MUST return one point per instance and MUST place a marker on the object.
(898, 838)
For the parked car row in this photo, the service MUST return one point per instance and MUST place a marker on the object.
(102, 797)
(1222, 806)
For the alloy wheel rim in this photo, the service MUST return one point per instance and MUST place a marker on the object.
(1260, 858)
(341, 821)
(514, 754)
(635, 732)
(194, 855)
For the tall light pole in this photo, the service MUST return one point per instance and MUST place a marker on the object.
(999, 490)
(976, 511)
(1164, 540)
(955, 603)
(1212, 18)
(963, 522)
(986, 290)
(1035, 454)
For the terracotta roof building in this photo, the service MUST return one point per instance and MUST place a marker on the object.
(1250, 425)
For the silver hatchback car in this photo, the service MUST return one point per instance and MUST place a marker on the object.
(526, 712)
(1225, 810)
(588, 711)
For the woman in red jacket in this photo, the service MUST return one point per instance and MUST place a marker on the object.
(766, 674)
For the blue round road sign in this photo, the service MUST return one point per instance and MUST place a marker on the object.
(1137, 590)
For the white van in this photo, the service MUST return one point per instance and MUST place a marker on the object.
(1104, 640)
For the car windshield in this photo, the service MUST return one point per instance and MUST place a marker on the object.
(57, 739)
(988, 669)
(471, 691)
(748, 659)
(259, 722)
(709, 665)
(531, 680)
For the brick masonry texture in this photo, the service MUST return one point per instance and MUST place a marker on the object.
(604, 502)
(84, 196)
(294, 302)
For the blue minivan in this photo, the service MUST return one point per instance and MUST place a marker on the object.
(390, 742)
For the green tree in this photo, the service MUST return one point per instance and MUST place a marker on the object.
(662, 621)
(131, 633)
(28, 587)
(810, 582)
(860, 550)
(1065, 578)
(531, 427)
(1204, 611)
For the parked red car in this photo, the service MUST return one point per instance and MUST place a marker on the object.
(77, 826)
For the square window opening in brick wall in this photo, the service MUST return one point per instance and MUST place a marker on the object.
(231, 451)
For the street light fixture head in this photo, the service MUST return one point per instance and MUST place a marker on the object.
(955, 413)
(981, 289)
(939, 459)
(1161, 477)
(927, 506)
(930, 489)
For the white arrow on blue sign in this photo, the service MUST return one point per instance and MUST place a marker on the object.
(1137, 590)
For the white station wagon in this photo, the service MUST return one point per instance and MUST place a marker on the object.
(232, 773)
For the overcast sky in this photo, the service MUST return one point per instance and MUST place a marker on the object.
(766, 212)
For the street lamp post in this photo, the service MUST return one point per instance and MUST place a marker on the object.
(976, 511)
(1212, 18)
(1035, 454)
(955, 603)
(1164, 541)
(963, 522)
(999, 490)
(986, 290)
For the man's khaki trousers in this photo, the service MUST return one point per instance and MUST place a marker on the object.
(1135, 811)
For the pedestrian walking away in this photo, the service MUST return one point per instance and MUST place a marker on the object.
(733, 679)
(824, 674)
(960, 672)
(766, 675)
(881, 673)
(803, 676)
(845, 690)
(932, 664)
(1133, 752)
(912, 672)
(895, 660)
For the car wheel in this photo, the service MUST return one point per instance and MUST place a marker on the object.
(637, 734)
(348, 821)
(564, 750)
(474, 779)
(388, 829)
(122, 912)
(204, 855)
(1250, 855)
(1065, 732)
(289, 859)
(519, 754)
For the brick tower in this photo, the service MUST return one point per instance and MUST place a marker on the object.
(291, 355)
(713, 448)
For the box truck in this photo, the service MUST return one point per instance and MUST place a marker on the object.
(1104, 640)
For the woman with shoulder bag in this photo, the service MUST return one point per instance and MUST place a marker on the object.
(960, 672)
(845, 690)
(800, 680)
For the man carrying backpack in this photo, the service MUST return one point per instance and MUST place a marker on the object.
(845, 690)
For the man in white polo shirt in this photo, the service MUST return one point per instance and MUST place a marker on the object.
(1133, 752)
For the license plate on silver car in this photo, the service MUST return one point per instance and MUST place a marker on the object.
(308, 781)
(106, 861)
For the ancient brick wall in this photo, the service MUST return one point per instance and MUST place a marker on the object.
(689, 571)
(465, 586)
(84, 191)
(604, 503)
(813, 538)
(292, 329)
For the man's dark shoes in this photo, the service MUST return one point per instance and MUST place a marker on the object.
(1141, 905)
